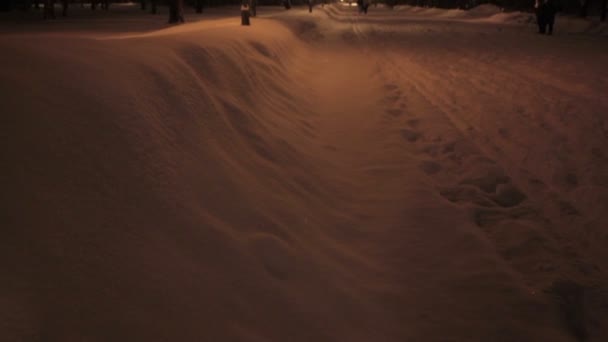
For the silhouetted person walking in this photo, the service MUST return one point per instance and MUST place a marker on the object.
(548, 11)
(245, 13)
(540, 20)
(310, 3)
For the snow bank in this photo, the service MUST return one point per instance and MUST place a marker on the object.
(577, 25)
(483, 10)
(511, 18)
(165, 186)
(488, 13)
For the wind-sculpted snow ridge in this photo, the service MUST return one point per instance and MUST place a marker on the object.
(161, 188)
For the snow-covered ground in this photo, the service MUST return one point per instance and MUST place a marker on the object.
(409, 175)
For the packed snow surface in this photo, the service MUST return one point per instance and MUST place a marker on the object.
(402, 176)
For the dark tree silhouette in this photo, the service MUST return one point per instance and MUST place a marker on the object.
(253, 5)
(6, 6)
(49, 9)
(198, 5)
(584, 8)
(176, 11)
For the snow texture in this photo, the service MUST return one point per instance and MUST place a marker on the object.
(408, 175)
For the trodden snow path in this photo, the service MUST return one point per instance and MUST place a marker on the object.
(401, 115)
(324, 176)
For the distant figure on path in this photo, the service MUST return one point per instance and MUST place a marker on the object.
(310, 4)
(539, 16)
(287, 4)
(245, 13)
(363, 5)
(548, 10)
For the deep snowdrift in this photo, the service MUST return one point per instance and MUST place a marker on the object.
(144, 195)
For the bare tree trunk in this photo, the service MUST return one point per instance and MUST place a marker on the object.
(49, 9)
(254, 7)
(584, 8)
(176, 11)
(6, 6)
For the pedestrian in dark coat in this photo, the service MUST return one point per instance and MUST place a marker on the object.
(548, 9)
(245, 13)
(540, 20)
